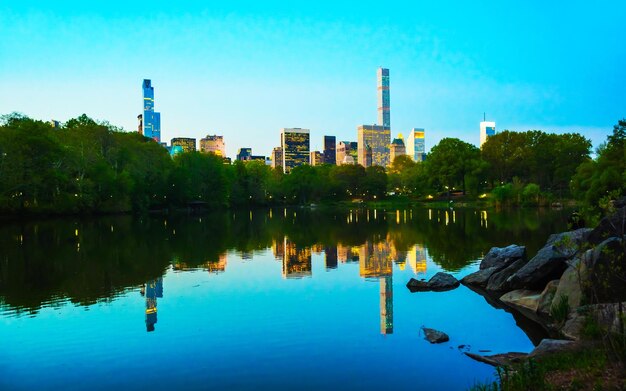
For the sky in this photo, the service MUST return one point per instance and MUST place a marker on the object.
(245, 70)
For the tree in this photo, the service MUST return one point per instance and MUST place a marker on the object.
(451, 161)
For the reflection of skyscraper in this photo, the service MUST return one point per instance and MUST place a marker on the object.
(386, 305)
(278, 249)
(153, 290)
(375, 259)
(297, 260)
(219, 266)
(417, 259)
(331, 257)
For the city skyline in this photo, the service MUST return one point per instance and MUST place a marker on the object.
(274, 69)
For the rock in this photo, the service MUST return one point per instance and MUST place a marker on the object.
(573, 326)
(435, 336)
(550, 261)
(523, 299)
(610, 316)
(479, 278)
(551, 346)
(570, 285)
(439, 282)
(547, 296)
(501, 257)
(498, 360)
(610, 226)
(499, 281)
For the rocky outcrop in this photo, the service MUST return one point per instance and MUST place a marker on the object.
(439, 282)
(501, 257)
(522, 299)
(498, 360)
(570, 285)
(551, 346)
(499, 282)
(435, 336)
(547, 297)
(498, 264)
(479, 278)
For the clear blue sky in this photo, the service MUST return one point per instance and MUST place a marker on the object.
(247, 69)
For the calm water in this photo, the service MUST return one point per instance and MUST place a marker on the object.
(268, 299)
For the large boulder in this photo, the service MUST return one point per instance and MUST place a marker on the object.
(499, 280)
(571, 284)
(522, 299)
(609, 317)
(435, 336)
(501, 257)
(479, 278)
(606, 270)
(439, 282)
(613, 225)
(547, 297)
(551, 346)
(550, 261)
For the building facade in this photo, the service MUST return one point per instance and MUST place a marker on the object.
(244, 154)
(316, 158)
(213, 144)
(188, 144)
(416, 145)
(384, 113)
(378, 138)
(487, 129)
(277, 157)
(295, 143)
(347, 149)
(330, 150)
(151, 120)
(397, 148)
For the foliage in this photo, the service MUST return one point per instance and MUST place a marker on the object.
(560, 309)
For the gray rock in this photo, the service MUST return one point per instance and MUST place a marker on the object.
(501, 257)
(573, 326)
(550, 261)
(522, 299)
(439, 282)
(547, 297)
(608, 316)
(499, 280)
(479, 278)
(551, 346)
(570, 285)
(435, 336)
(498, 360)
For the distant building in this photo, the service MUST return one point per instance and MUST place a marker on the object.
(213, 144)
(54, 123)
(296, 146)
(416, 145)
(257, 158)
(244, 154)
(346, 149)
(151, 120)
(378, 138)
(175, 149)
(316, 158)
(277, 157)
(487, 129)
(384, 112)
(367, 161)
(397, 148)
(140, 124)
(330, 150)
(188, 144)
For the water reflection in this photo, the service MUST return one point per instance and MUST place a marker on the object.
(152, 290)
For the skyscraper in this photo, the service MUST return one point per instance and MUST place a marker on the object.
(277, 157)
(188, 144)
(346, 149)
(378, 138)
(296, 146)
(487, 129)
(397, 148)
(416, 145)
(384, 114)
(330, 150)
(151, 119)
(213, 144)
(316, 158)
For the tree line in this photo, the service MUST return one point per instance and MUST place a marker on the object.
(93, 167)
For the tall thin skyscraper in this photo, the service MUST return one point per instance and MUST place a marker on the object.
(151, 119)
(384, 114)
(487, 129)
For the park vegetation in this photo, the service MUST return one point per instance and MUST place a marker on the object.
(85, 166)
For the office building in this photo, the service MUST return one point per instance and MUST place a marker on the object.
(330, 150)
(188, 144)
(416, 145)
(295, 143)
(244, 154)
(347, 152)
(487, 129)
(397, 148)
(54, 123)
(378, 138)
(213, 144)
(277, 157)
(316, 158)
(151, 120)
(384, 114)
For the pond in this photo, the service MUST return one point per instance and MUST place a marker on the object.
(260, 299)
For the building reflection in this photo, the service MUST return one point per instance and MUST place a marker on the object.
(376, 261)
(417, 259)
(217, 267)
(330, 257)
(347, 253)
(296, 260)
(152, 290)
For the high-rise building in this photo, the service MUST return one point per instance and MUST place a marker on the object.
(330, 150)
(397, 148)
(347, 149)
(151, 119)
(277, 157)
(140, 123)
(54, 123)
(296, 146)
(384, 114)
(213, 144)
(367, 162)
(378, 138)
(316, 158)
(244, 154)
(487, 129)
(188, 144)
(416, 145)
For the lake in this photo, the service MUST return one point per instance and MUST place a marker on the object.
(261, 299)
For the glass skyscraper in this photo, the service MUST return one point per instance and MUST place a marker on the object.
(151, 119)
(416, 145)
(378, 138)
(296, 147)
(384, 114)
(330, 150)
(487, 129)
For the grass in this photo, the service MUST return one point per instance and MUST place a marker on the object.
(560, 310)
